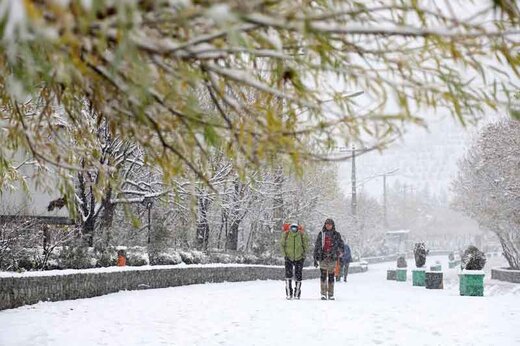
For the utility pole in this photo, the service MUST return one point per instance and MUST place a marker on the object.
(354, 192)
(353, 202)
(385, 217)
(385, 195)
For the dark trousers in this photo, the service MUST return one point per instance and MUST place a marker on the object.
(324, 275)
(327, 283)
(345, 270)
(298, 266)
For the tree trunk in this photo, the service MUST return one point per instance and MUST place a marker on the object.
(250, 236)
(278, 201)
(88, 231)
(511, 253)
(222, 222)
(202, 223)
(232, 239)
(107, 217)
(46, 239)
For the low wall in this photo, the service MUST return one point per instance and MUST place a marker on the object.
(19, 289)
(379, 259)
(504, 274)
(440, 252)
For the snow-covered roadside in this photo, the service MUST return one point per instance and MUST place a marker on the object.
(368, 310)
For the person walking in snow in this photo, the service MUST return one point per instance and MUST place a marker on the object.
(328, 248)
(294, 245)
(345, 262)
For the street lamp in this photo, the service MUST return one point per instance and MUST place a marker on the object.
(384, 175)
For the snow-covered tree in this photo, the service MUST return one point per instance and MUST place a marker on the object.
(488, 185)
(139, 64)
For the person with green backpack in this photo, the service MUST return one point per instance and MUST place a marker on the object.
(294, 245)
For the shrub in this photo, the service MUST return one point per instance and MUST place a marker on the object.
(27, 259)
(250, 259)
(199, 257)
(107, 257)
(219, 257)
(401, 262)
(420, 253)
(75, 257)
(473, 259)
(165, 258)
(137, 256)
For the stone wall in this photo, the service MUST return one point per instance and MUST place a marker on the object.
(505, 275)
(21, 290)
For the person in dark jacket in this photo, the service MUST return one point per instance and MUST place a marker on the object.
(328, 248)
(345, 262)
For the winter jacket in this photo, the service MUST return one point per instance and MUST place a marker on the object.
(347, 255)
(337, 246)
(294, 245)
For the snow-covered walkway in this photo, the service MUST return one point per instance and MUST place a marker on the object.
(368, 310)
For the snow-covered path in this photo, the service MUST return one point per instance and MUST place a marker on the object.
(368, 310)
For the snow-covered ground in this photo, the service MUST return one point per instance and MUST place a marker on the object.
(368, 310)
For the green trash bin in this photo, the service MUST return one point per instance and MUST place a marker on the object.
(400, 274)
(471, 283)
(418, 276)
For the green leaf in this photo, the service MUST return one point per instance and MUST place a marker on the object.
(211, 136)
(515, 114)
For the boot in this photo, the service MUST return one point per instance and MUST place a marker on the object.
(323, 290)
(298, 290)
(288, 288)
(330, 290)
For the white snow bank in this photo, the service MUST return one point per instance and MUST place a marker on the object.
(472, 272)
(140, 268)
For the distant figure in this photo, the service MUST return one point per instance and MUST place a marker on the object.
(327, 250)
(345, 262)
(121, 258)
(294, 245)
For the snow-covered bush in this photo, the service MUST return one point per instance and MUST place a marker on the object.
(473, 259)
(420, 253)
(107, 257)
(76, 257)
(28, 259)
(52, 261)
(186, 256)
(199, 257)
(219, 257)
(137, 256)
(401, 262)
(170, 257)
(15, 238)
(250, 259)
